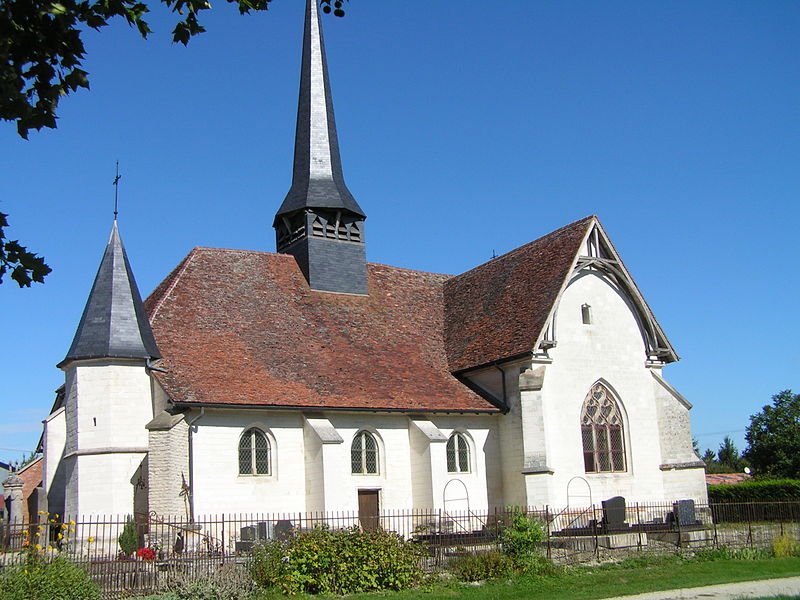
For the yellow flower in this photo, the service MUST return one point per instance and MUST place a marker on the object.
(91, 539)
(38, 547)
(55, 516)
(42, 512)
(73, 523)
(52, 520)
(24, 532)
(49, 548)
(61, 536)
(64, 526)
(72, 530)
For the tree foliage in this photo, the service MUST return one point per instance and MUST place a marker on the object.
(25, 266)
(773, 437)
(41, 50)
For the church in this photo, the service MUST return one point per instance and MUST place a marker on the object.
(312, 380)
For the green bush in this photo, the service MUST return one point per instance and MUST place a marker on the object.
(40, 579)
(784, 546)
(228, 582)
(342, 561)
(521, 534)
(267, 565)
(726, 553)
(775, 490)
(482, 567)
(128, 540)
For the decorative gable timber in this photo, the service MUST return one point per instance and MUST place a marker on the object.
(505, 309)
(598, 254)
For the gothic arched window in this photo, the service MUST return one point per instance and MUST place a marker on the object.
(457, 454)
(254, 453)
(364, 454)
(602, 432)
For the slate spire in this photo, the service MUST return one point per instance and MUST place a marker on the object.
(114, 324)
(320, 222)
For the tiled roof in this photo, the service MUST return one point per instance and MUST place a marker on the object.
(497, 310)
(718, 478)
(243, 328)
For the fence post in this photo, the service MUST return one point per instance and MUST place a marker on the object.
(547, 521)
(639, 526)
(714, 521)
(596, 532)
(676, 514)
(749, 525)
(222, 550)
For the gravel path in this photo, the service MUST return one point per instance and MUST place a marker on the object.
(788, 586)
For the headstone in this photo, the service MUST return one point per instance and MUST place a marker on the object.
(614, 514)
(283, 530)
(262, 530)
(684, 512)
(248, 534)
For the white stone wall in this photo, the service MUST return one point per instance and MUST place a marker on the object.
(309, 475)
(168, 468)
(54, 443)
(107, 407)
(610, 349)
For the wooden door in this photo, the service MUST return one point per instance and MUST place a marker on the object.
(368, 509)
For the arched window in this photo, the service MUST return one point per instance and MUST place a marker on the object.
(254, 453)
(364, 454)
(458, 454)
(602, 432)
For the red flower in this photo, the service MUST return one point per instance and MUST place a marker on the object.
(146, 553)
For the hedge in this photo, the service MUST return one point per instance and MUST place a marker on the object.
(776, 490)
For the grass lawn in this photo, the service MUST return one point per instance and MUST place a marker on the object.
(586, 583)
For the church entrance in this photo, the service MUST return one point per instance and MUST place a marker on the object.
(368, 509)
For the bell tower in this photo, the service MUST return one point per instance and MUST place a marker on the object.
(319, 222)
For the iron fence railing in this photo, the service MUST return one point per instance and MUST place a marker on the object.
(163, 546)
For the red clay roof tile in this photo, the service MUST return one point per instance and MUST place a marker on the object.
(497, 310)
(243, 328)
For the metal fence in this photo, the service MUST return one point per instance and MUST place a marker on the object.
(162, 547)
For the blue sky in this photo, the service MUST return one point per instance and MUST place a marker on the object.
(466, 128)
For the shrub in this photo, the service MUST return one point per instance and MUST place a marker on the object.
(726, 553)
(128, 540)
(521, 534)
(267, 565)
(343, 561)
(228, 582)
(783, 546)
(39, 578)
(482, 567)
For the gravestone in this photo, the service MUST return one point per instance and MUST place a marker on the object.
(283, 530)
(247, 534)
(684, 513)
(614, 514)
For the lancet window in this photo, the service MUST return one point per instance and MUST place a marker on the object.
(602, 432)
(364, 454)
(255, 456)
(457, 454)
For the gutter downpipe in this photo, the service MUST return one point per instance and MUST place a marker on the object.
(191, 463)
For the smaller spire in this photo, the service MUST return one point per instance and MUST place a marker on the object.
(114, 323)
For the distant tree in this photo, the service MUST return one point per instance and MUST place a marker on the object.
(712, 464)
(728, 455)
(25, 266)
(773, 437)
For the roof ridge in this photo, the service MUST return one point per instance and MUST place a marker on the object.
(520, 249)
(175, 275)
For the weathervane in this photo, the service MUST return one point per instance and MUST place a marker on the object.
(117, 177)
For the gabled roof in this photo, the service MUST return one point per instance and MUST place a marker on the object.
(243, 328)
(498, 310)
(114, 324)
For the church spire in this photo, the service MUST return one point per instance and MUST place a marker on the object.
(320, 222)
(114, 324)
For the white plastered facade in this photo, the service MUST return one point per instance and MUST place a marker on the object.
(114, 436)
